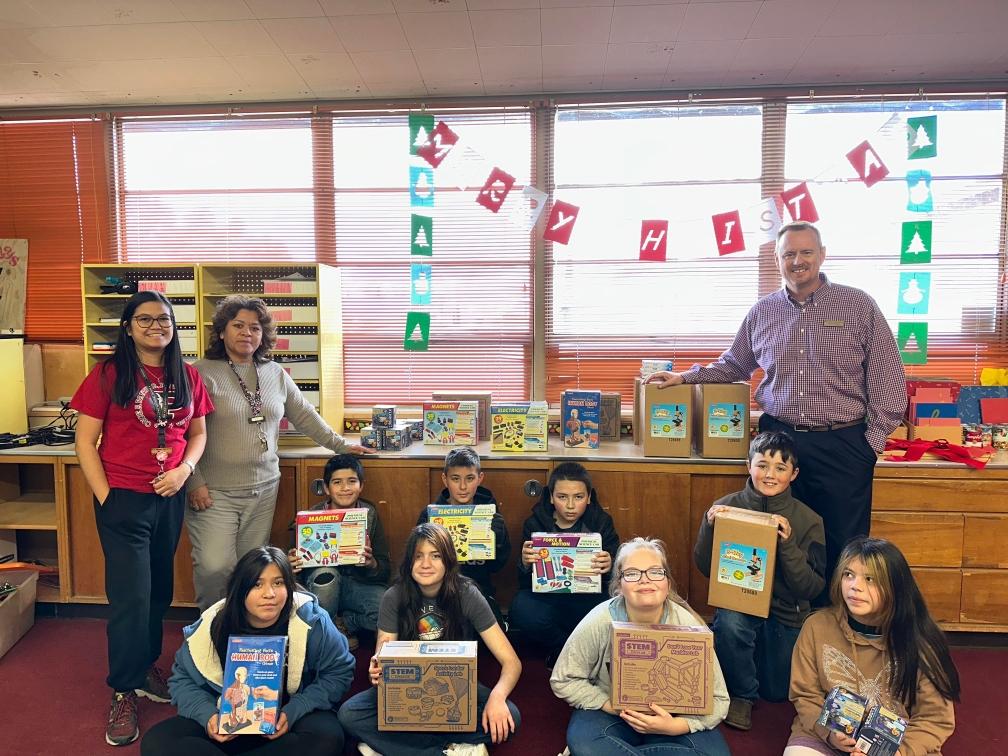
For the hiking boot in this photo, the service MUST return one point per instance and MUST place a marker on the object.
(352, 641)
(739, 713)
(123, 725)
(155, 686)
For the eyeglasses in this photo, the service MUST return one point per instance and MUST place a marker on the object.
(146, 321)
(654, 574)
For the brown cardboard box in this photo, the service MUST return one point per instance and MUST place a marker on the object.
(742, 561)
(722, 420)
(609, 416)
(666, 427)
(427, 686)
(482, 397)
(951, 433)
(667, 665)
(901, 431)
(637, 426)
(17, 611)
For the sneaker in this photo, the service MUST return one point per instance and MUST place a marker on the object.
(123, 725)
(466, 749)
(739, 713)
(352, 641)
(565, 751)
(155, 686)
(367, 750)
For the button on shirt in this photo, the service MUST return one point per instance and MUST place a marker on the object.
(829, 359)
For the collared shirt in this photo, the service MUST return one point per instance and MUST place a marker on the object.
(829, 359)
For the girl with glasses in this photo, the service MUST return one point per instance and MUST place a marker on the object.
(642, 593)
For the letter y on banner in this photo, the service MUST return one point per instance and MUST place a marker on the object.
(560, 222)
(728, 232)
(653, 238)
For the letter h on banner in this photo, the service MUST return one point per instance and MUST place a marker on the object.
(653, 238)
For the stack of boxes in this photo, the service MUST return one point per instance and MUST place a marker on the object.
(714, 417)
(933, 412)
(386, 433)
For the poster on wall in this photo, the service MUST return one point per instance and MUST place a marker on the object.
(13, 285)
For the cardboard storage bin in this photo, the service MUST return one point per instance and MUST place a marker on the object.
(17, 611)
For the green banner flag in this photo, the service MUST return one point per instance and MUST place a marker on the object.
(417, 335)
(420, 127)
(915, 247)
(922, 137)
(421, 235)
(912, 338)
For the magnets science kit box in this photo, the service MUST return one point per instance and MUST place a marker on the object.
(518, 427)
(451, 423)
(742, 561)
(331, 537)
(470, 528)
(427, 686)
(565, 563)
(580, 418)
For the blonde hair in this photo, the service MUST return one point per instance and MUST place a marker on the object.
(657, 546)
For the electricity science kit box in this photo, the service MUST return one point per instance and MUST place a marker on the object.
(470, 526)
(668, 665)
(742, 561)
(666, 420)
(580, 417)
(519, 427)
(331, 537)
(253, 675)
(564, 563)
(451, 423)
(722, 419)
(427, 686)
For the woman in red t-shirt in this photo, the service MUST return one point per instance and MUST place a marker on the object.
(147, 407)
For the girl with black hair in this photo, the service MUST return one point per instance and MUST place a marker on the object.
(431, 601)
(148, 409)
(261, 600)
(877, 640)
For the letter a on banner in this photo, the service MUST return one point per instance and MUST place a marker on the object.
(728, 232)
(560, 222)
(653, 237)
(799, 203)
(495, 190)
(868, 164)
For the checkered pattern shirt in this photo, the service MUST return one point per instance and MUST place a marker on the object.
(830, 359)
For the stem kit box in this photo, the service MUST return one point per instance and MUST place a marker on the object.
(580, 417)
(427, 686)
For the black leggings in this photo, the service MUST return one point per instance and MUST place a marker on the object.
(315, 734)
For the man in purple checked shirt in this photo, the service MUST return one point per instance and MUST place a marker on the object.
(833, 380)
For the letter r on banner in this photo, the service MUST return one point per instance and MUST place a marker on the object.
(728, 232)
(560, 222)
(868, 164)
(653, 237)
(798, 201)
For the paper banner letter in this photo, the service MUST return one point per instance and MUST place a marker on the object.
(728, 232)
(919, 197)
(495, 190)
(438, 145)
(421, 235)
(524, 212)
(770, 220)
(915, 246)
(799, 203)
(653, 236)
(868, 164)
(420, 127)
(420, 284)
(922, 137)
(914, 293)
(421, 186)
(912, 338)
(417, 335)
(560, 222)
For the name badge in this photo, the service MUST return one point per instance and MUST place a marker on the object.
(257, 419)
(834, 323)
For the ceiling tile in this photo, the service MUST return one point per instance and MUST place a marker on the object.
(20, 78)
(863, 18)
(505, 27)
(133, 42)
(329, 72)
(213, 10)
(638, 58)
(427, 31)
(448, 65)
(429, 6)
(303, 34)
(571, 83)
(758, 55)
(619, 3)
(267, 72)
(500, 4)
(576, 3)
(455, 87)
(151, 76)
(501, 64)
(237, 37)
(632, 82)
(386, 66)
(691, 80)
(764, 78)
(573, 60)
(572, 26)
(719, 20)
(17, 14)
(513, 86)
(942, 17)
(356, 7)
(704, 56)
(646, 23)
(370, 32)
(16, 47)
(799, 19)
(285, 8)
(94, 12)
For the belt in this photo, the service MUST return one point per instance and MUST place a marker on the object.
(820, 428)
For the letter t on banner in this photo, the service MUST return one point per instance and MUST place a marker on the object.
(868, 164)
(653, 236)
(728, 232)
(799, 203)
(560, 222)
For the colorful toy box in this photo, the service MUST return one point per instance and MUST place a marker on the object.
(383, 416)
(450, 423)
(565, 563)
(427, 686)
(253, 678)
(579, 418)
(470, 528)
(331, 537)
(881, 732)
(484, 398)
(371, 437)
(843, 710)
(519, 427)
(743, 561)
(397, 438)
(666, 420)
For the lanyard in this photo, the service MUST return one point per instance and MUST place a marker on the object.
(160, 405)
(257, 417)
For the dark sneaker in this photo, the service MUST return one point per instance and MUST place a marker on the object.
(352, 641)
(155, 686)
(123, 725)
(739, 713)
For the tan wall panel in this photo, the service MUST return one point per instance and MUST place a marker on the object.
(985, 541)
(939, 495)
(942, 589)
(985, 597)
(926, 540)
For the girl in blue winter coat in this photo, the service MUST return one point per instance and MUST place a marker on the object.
(261, 600)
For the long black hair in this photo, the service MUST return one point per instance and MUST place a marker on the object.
(914, 643)
(449, 594)
(232, 619)
(127, 364)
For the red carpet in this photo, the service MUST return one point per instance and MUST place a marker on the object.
(54, 699)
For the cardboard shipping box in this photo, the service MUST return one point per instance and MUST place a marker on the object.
(483, 398)
(742, 562)
(17, 610)
(722, 420)
(427, 686)
(668, 665)
(610, 416)
(666, 427)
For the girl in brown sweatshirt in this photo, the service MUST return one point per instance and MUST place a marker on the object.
(877, 640)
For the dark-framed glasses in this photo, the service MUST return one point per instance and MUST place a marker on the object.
(146, 321)
(654, 574)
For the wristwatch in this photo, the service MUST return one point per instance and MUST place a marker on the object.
(192, 467)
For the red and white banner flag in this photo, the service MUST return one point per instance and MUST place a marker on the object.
(798, 201)
(868, 164)
(560, 222)
(653, 239)
(728, 232)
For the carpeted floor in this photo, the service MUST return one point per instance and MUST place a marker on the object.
(54, 699)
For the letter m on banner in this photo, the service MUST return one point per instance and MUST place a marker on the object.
(653, 238)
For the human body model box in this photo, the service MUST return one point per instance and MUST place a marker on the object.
(427, 686)
(469, 525)
(331, 537)
(743, 558)
(564, 563)
(580, 417)
(451, 423)
(668, 665)
(519, 427)
(253, 677)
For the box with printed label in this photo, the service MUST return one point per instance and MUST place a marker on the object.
(668, 665)
(383, 416)
(666, 427)
(609, 416)
(187, 341)
(253, 685)
(722, 419)
(451, 423)
(881, 732)
(274, 286)
(295, 314)
(470, 528)
(427, 686)
(397, 438)
(371, 437)
(484, 398)
(843, 710)
(331, 536)
(579, 418)
(416, 429)
(564, 563)
(519, 427)
(184, 313)
(742, 561)
(301, 370)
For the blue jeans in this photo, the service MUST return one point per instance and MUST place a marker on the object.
(547, 620)
(359, 717)
(755, 654)
(593, 732)
(343, 595)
